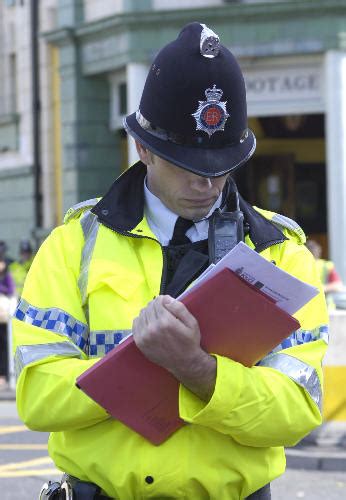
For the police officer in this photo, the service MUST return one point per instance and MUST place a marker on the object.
(94, 279)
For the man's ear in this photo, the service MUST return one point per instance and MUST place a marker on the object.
(144, 154)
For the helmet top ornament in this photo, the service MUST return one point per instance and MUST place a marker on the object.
(209, 43)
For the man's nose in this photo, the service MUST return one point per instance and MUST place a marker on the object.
(201, 183)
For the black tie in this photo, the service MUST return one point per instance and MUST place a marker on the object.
(180, 228)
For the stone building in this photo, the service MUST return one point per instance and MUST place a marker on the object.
(27, 186)
(93, 56)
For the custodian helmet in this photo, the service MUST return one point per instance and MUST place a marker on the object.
(193, 107)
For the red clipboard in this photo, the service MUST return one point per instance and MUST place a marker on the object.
(236, 320)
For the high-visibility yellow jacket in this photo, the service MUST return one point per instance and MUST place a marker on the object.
(88, 281)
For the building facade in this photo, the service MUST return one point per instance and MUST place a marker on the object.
(22, 183)
(92, 59)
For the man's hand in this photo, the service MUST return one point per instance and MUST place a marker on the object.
(168, 335)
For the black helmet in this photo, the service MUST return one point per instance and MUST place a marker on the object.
(193, 107)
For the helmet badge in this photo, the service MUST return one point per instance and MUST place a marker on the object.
(211, 115)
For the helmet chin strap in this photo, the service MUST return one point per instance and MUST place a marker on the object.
(226, 227)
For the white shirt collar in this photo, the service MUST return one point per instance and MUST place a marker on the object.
(162, 220)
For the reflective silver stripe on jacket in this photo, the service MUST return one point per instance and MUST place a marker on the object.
(90, 226)
(103, 341)
(285, 222)
(302, 373)
(303, 336)
(55, 320)
(77, 209)
(27, 354)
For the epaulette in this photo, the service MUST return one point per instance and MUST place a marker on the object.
(286, 223)
(75, 211)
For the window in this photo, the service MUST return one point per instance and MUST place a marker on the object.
(118, 101)
(122, 94)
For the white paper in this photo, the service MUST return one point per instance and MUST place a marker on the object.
(288, 292)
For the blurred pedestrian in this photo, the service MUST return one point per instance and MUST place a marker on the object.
(7, 285)
(329, 276)
(19, 268)
(7, 305)
(3, 252)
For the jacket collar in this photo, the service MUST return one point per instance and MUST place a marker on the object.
(263, 233)
(122, 209)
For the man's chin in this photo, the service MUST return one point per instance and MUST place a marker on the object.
(196, 215)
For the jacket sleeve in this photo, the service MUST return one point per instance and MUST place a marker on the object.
(50, 334)
(278, 401)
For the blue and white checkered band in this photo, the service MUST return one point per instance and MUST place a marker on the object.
(211, 115)
(103, 341)
(55, 320)
(303, 336)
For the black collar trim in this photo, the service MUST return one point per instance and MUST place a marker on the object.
(263, 233)
(122, 209)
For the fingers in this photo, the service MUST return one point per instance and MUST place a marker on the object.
(148, 314)
(178, 309)
(164, 312)
(166, 332)
(153, 317)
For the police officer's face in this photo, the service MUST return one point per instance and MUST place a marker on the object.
(183, 192)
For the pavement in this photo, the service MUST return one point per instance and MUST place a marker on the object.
(323, 449)
(7, 394)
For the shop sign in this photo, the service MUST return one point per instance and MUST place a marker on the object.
(283, 84)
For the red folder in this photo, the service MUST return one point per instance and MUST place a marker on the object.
(236, 320)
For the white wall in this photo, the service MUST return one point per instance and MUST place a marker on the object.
(15, 29)
(97, 9)
(335, 72)
(184, 4)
